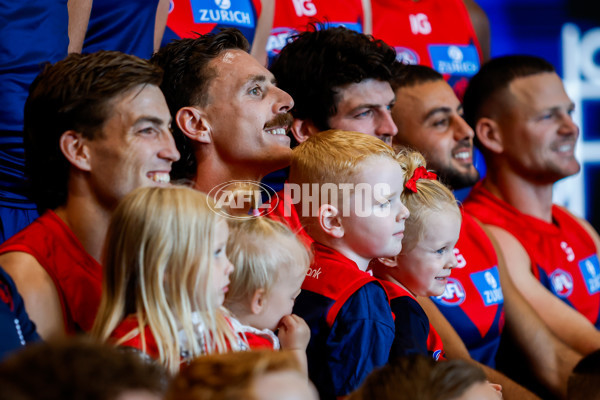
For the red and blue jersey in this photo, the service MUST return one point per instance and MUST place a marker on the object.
(438, 34)
(16, 329)
(351, 323)
(292, 17)
(77, 276)
(189, 18)
(564, 257)
(473, 301)
(414, 333)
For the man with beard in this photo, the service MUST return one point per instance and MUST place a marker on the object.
(480, 295)
(230, 118)
(523, 120)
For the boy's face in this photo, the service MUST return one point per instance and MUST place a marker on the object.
(372, 228)
(365, 107)
(280, 299)
(425, 268)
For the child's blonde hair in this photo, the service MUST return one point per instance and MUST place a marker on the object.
(158, 265)
(334, 156)
(259, 248)
(431, 195)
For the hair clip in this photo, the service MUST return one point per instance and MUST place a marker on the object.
(420, 173)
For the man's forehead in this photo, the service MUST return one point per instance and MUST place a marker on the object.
(368, 92)
(240, 64)
(539, 91)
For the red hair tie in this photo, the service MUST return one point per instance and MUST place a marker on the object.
(420, 173)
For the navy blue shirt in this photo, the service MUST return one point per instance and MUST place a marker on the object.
(16, 329)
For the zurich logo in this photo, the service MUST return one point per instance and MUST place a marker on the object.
(406, 56)
(454, 294)
(223, 4)
(455, 54)
(489, 278)
(562, 282)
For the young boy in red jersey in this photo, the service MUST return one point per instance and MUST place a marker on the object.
(350, 185)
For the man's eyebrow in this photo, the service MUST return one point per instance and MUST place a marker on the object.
(260, 78)
(152, 119)
(436, 110)
(369, 105)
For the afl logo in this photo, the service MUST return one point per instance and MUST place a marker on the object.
(454, 294)
(406, 56)
(562, 283)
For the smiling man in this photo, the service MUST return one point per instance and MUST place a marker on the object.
(96, 127)
(480, 298)
(230, 117)
(522, 117)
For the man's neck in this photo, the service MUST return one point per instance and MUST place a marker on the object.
(210, 174)
(88, 221)
(523, 194)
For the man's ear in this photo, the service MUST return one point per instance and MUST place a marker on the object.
(74, 147)
(258, 301)
(194, 124)
(302, 129)
(488, 134)
(389, 262)
(330, 221)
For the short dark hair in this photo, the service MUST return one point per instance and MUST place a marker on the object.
(73, 94)
(419, 377)
(77, 369)
(187, 79)
(584, 381)
(495, 76)
(408, 75)
(321, 59)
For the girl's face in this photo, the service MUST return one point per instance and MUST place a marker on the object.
(424, 269)
(280, 299)
(221, 265)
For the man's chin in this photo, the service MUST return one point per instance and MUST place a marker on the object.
(459, 180)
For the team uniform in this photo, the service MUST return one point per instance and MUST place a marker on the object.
(256, 338)
(473, 301)
(351, 323)
(563, 255)
(436, 33)
(127, 334)
(188, 18)
(16, 329)
(32, 33)
(125, 26)
(77, 276)
(414, 333)
(292, 17)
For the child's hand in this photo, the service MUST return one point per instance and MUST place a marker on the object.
(294, 333)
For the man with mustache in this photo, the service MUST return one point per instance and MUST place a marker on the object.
(523, 123)
(96, 127)
(230, 117)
